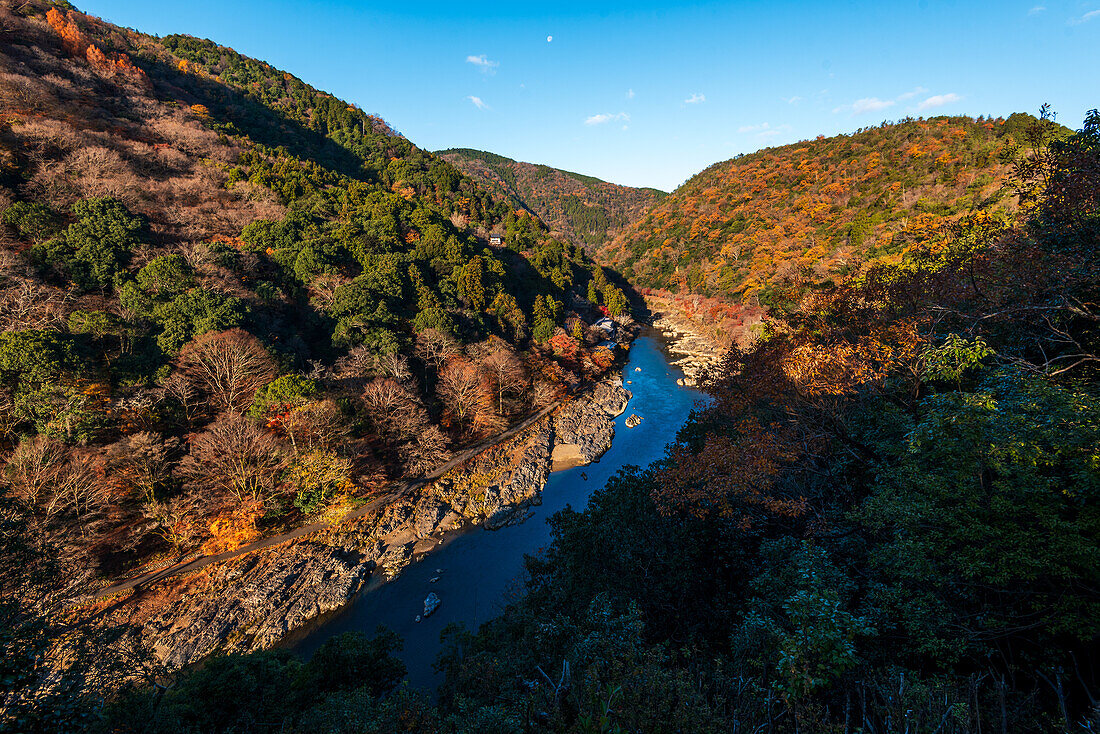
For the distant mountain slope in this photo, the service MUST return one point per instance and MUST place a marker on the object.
(811, 210)
(582, 209)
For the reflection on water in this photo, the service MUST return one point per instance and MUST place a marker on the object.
(476, 568)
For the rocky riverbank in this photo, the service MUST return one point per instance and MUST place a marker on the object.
(253, 601)
(692, 352)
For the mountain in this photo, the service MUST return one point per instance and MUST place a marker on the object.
(811, 211)
(229, 300)
(583, 210)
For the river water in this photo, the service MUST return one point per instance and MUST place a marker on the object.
(477, 568)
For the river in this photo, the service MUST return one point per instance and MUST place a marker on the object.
(477, 568)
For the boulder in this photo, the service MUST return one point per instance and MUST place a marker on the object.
(431, 603)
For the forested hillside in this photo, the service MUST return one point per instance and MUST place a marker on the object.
(811, 212)
(230, 302)
(581, 209)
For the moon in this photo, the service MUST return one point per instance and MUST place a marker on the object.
(549, 39)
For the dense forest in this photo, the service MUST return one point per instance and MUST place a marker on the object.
(813, 212)
(230, 303)
(581, 209)
(885, 521)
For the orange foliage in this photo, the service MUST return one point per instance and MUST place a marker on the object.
(235, 528)
(815, 210)
(76, 44)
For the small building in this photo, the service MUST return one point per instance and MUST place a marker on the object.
(496, 240)
(605, 325)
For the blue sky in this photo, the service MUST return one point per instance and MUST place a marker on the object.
(648, 93)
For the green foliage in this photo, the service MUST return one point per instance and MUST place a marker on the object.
(352, 661)
(954, 358)
(180, 314)
(989, 509)
(36, 359)
(285, 391)
(585, 209)
(615, 300)
(95, 248)
(263, 689)
(34, 220)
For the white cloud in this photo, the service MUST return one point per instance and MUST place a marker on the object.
(630, 94)
(870, 104)
(482, 62)
(606, 117)
(794, 100)
(753, 128)
(1037, 9)
(938, 100)
(1086, 17)
(764, 130)
(696, 99)
(478, 102)
(865, 105)
(912, 93)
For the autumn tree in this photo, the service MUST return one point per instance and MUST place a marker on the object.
(428, 451)
(318, 424)
(462, 390)
(436, 347)
(234, 456)
(393, 410)
(505, 372)
(230, 366)
(63, 487)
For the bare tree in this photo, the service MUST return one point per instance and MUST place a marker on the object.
(322, 289)
(544, 393)
(393, 410)
(174, 520)
(355, 366)
(428, 451)
(319, 424)
(27, 304)
(395, 366)
(55, 481)
(463, 393)
(435, 347)
(235, 456)
(10, 417)
(142, 462)
(183, 391)
(505, 371)
(229, 365)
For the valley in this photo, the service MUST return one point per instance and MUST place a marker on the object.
(306, 428)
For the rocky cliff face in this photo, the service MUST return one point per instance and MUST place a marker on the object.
(251, 602)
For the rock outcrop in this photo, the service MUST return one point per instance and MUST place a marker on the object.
(247, 603)
(587, 424)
